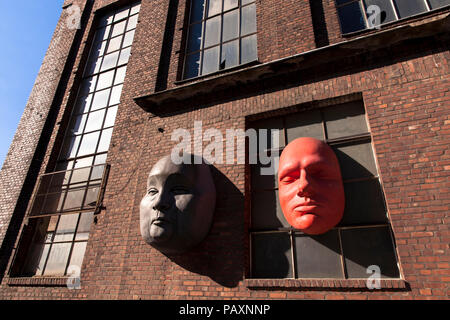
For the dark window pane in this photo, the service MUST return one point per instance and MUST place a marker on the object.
(305, 124)
(212, 31)
(192, 65)
(263, 181)
(105, 140)
(266, 211)
(214, 7)
(272, 256)
(248, 49)
(70, 147)
(370, 246)
(52, 204)
(88, 143)
(87, 86)
(356, 161)
(77, 124)
(100, 99)
(364, 203)
(408, 8)
(248, 20)
(230, 55)
(197, 10)
(387, 11)
(210, 60)
(83, 104)
(229, 4)
(230, 25)
(271, 126)
(434, 4)
(351, 17)
(345, 120)
(318, 256)
(57, 259)
(195, 37)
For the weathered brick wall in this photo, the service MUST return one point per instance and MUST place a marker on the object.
(406, 96)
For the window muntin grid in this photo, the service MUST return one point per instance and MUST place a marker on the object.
(221, 35)
(344, 128)
(354, 15)
(61, 235)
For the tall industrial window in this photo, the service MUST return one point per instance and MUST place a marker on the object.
(358, 15)
(362, 238)
(221, 35)
(65, 201)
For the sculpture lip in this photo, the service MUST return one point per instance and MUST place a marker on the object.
(306, 208)
(160, 219)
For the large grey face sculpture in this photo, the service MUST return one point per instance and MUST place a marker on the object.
(177, 211)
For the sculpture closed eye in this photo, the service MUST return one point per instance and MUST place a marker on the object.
(177, 211)
(311, 191)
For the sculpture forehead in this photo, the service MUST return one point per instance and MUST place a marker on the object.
(302, 147)
(165, 167)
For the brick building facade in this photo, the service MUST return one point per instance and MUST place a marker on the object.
(308, 60)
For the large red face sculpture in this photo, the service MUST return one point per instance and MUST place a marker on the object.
(310, 186)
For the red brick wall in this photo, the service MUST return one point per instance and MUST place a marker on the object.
(406, 98)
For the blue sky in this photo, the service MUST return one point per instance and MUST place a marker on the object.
(26, 28)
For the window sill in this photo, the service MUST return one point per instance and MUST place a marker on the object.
(38, 281)
(323, 283)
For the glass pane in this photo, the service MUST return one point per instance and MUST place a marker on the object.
(87, 86)
(83, 104)
(248, 22)
(118, 28)
(124, 56)
(74, 199)
(197, 10)
(230, 25)
(100, 159)
(214, 7)
(370, 246)
(128, 41)
(271, 256)
(387, 11)
(434, 4)
(244, 2)
(195, 37)
(114, 44)
(115, 95)
(84, 162)
(80, 175)
(91, 197)
(229, 4)
(192, 65)
(345, 120)
(105, 80)
(53, 203)
(93, 66)
(89, 143)
(210, 60)
(77, 254)
(364, 203)
(105, 140)
(66, 227)
(230, 55)
(132, 22)
(351, 17)
(356, 161)
(70, 147)
(100, 99)
(105, 20)
(110, 117)
(135, 9)
(42, 259)
(319, 256)
(263, 181)
(77, 124)
(212, 31)
(120, 75)
(122, 14)
(57, 259)
(97, 171)
(101, 34)
(248, 49)
(110, 61)
(305, 124)
(266, 211)
(95, 120)
(406, 8)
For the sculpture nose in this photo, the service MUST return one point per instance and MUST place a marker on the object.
(162, 202)
(304, 185)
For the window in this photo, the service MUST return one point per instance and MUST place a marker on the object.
(357, 15)
(221, 35)
(65, 201)
(362, 238)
